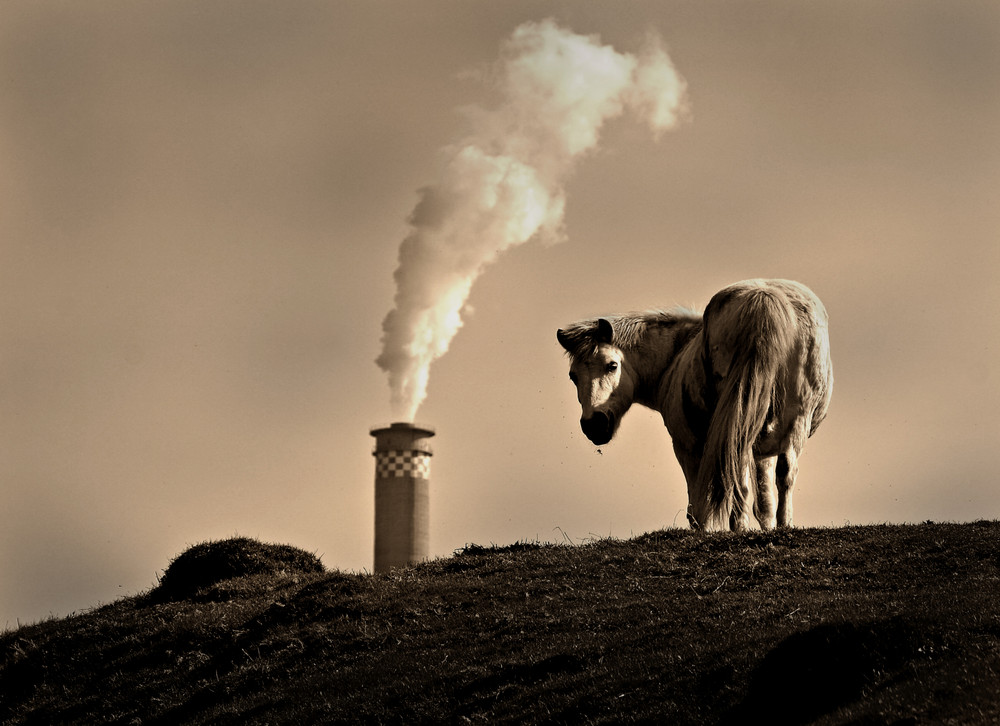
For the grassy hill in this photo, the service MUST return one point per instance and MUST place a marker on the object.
(859, 625)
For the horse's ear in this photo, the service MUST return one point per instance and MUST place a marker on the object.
(604, 331)
(563, 339)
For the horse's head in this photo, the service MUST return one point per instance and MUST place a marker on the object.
(604, 382)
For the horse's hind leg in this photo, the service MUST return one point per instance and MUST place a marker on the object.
(786, 469)
(766, 504)
(739, 518)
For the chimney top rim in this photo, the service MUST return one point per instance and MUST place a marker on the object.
(403, 426)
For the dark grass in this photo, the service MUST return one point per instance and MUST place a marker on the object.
(855, 625)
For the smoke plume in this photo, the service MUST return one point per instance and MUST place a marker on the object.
(503, 185)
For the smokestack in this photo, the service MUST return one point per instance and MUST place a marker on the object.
(402, 495)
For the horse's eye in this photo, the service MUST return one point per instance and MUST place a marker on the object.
(612, 366)
(572, 377)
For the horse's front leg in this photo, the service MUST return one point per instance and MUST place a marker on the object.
(689, 465)
(765, 506)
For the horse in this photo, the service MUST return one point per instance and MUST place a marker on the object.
(740, 389)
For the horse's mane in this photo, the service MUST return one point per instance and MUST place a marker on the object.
(630, 329)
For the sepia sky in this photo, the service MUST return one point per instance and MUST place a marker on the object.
(201, 206)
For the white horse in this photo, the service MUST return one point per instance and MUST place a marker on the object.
(740, 389)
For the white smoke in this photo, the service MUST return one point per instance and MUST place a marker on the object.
(504, 185)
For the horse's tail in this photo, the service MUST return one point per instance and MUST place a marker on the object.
(758, 331)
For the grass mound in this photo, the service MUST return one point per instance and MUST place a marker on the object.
(202, 568)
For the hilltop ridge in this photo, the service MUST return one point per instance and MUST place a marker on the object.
(882, 624)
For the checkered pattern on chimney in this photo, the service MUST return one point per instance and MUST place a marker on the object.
(415, 464)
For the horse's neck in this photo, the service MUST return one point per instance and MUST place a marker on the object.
(659, 355)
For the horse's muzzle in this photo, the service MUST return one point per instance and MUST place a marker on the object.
(599, 428)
